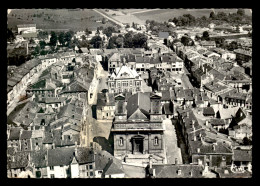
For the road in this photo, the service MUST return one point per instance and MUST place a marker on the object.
(109, 18)
(137, 12)
(15, 102)
(172, 149)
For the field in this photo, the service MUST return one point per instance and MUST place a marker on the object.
(56, 19)
(166, 14)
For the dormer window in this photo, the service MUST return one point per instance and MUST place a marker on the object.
(179, 172)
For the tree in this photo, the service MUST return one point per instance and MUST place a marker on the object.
(247, 141)
(109, 30)
(104, 21)
(68, 36)
(42, 44)
(139, 40)
(129, 40)
(37, 50)
(186, 41)
(205, 36)
(61, 38)
(241, 12)
(83, 37)
(10, 35)
(53, 39)
(212, 15)
(96, 41)
(120, 42)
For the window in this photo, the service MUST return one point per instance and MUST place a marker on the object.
(87, 167)
(52, 176)
(91, 173)
(99, 172)
(90, 167)
(121, 141)
(223, 158)
(156, 141)
(51, 168)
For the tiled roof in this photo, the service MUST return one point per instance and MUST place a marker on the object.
(138, 100)
(38, 158)
(84, 155)
(171, 171)
(216, 122)
(112, 167)
(60, 156)
(26, 134)
(208, 111)
(242, 155)
(15, 133)
(166, 95)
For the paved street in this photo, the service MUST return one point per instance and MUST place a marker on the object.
(172, 150)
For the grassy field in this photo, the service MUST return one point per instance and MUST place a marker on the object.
(56, 19)
(166, 14)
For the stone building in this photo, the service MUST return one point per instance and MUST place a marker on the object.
(124, 79)
(137, 129)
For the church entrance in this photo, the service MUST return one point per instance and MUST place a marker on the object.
(138, 145)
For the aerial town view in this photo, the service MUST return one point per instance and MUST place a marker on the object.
(129, 93)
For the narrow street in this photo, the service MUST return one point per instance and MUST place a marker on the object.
(181, 142)
(172, 149)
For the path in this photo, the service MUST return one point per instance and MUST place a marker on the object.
(137, 12)
(113, 20)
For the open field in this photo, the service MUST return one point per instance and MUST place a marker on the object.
(162, 15)
(56, 19)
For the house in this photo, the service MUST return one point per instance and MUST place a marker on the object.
(202, 148)
(208, 44)
(26, 27)
(58, 162)
(242, 160)
(243, 56)
(226, 114)
(217, 124)
(83, 163)
(208, 111)
(113, 169)
(174, 171)
(16, 162)
(105, 106)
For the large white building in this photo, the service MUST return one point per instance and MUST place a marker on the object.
(26, 28)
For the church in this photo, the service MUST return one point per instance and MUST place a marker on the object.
(138, 130)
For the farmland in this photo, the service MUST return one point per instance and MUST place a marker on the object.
(56, 19)
(162, 15)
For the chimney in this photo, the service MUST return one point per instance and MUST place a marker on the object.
(193, 122)
(179, 171)
(207, 123)
(191, 173)
(198, 150)
(176, 161)
(53, 145)
(194, 138)
(188, 114)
